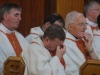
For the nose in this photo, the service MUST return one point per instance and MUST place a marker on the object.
(20, 18)
(85, 27)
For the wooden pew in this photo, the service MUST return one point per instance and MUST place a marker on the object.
(14, 66)
(90, 67)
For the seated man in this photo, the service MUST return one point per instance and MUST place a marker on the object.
(78, 42)
(11, 42)
(96, 38)
(46, 56)
(92, 10)
(39, 31)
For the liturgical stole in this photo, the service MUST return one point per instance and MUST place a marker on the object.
(61, 60)
(80, 44)
(14, 42)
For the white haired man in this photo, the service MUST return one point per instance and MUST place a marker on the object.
(78, 42)
(92, 10)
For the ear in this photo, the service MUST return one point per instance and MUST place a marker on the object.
(70, 27)
(5, 16)
(46, 40)
(47, 24)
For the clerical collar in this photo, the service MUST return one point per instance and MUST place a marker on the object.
(91, 23)
(41, 28)
(74, 36)
(6, 29)
(91, 20)
(41, 37)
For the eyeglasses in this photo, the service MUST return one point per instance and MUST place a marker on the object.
(96, 10)
(83, 24)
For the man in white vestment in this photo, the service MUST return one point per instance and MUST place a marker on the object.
(96, 38)
(78, 42)
(39, 31)
(92, 10)
(11, 42)
(46, 55)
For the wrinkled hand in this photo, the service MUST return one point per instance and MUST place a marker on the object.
(60, 51)
(88, 41)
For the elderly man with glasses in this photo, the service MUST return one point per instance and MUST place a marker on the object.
(92, 10)
(78, 42)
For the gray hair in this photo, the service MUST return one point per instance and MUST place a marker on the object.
(71, 18)
(6, 8)
(89, 6)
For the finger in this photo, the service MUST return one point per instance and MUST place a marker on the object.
(58, 47)
(64, 47)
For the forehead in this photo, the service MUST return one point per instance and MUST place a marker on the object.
(58, 41)
(13, 10)
(81, 18)
(96, 6)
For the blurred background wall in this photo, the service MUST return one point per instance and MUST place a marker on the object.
(35, 11)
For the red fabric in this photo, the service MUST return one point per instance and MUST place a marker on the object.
(94, 28)
(15, 43)
(35, 33)
(61, 60)
(80, 44)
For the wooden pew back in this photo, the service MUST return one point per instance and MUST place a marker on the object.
(90, 67)
(14, 66)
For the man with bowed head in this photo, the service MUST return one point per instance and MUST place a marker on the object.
(11, 42)
(46, 55)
